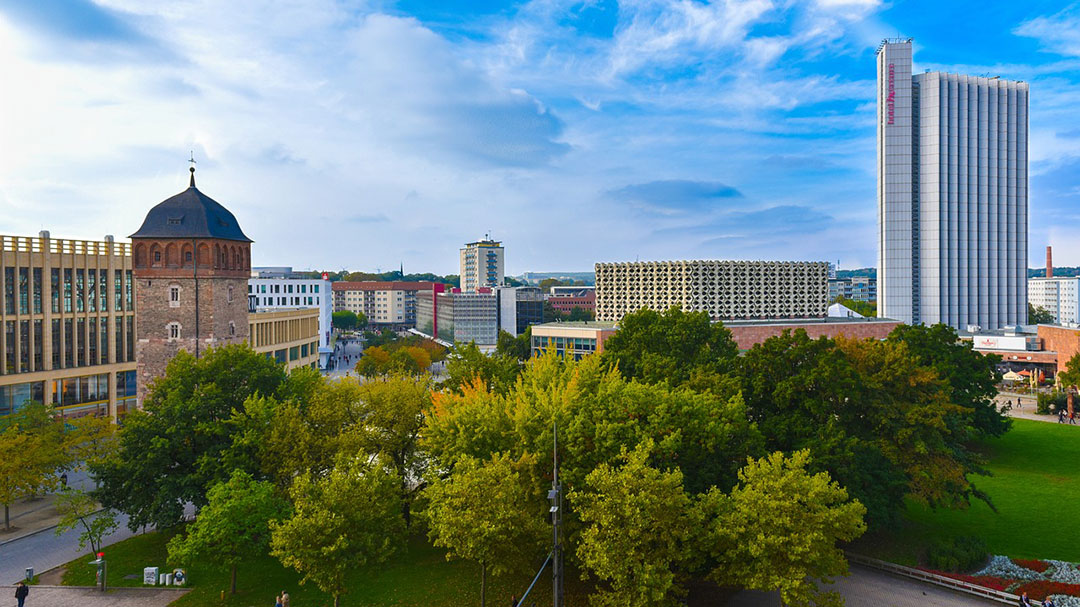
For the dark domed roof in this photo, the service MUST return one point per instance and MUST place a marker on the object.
(190, 214)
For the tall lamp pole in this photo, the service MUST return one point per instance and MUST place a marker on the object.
(555, 496)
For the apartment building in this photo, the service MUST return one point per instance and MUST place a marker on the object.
(390, 304)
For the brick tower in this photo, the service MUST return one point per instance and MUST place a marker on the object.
(191, 267)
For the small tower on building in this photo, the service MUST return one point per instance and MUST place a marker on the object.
(191, 266)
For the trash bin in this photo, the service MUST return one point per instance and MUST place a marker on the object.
(29, 573)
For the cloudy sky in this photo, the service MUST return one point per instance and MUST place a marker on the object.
(361, 135)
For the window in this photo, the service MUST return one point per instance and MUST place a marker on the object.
(173, 330)
(229, 296)
(187, 256)
(174, 296)
(157, 256)
(232, 326)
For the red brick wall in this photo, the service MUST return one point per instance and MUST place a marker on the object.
(1064, 341)
(746, 336)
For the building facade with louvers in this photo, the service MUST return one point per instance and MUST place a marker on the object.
(727, 290)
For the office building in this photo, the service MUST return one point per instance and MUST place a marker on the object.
(856, 288)
(288, 291)
(1059, 295)
(482, 265)
(384, 304)
(519, 308)
(191, 266)
(577, 339)
(459, 317)
(565, 299)
(68, 325)
(291, 337)
(724, 289)
(952, 195)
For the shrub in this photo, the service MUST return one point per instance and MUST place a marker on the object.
(1040, 589)
(962, 553)
(1051, 402)
(1032, 564)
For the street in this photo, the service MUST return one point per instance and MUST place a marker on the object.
(351, 349)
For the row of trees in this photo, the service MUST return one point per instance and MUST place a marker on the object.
(36, 450)
(683, 460)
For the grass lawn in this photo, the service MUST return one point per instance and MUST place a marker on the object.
(421, 577)
(1035, 487)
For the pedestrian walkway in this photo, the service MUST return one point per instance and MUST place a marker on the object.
(68, 596)
(30, 516)
(1027, 411)
(866, 587)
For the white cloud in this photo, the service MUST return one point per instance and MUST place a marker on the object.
(1058, 33)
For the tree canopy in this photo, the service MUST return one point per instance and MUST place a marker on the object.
(233, 527)
(180, 444)
(672, 346)
(1038, 315)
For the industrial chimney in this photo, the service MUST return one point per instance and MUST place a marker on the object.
(1049, 263)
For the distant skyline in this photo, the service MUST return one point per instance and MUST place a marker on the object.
(364, 134)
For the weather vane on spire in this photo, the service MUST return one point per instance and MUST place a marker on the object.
(192, 169)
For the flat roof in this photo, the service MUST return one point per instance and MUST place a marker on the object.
(830, 320)
(578, 324)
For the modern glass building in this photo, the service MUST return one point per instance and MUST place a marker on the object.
(68, 319)
(952, 195)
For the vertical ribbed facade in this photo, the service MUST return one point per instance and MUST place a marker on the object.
(962, 257)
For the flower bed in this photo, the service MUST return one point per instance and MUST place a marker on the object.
(1032, 564)
(1040, 589)
(986, 581)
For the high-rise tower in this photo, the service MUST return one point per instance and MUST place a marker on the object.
(482, 265)
(952, 195)
(191, 267)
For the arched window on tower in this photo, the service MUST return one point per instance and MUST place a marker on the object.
(172, 330)
(174, 296)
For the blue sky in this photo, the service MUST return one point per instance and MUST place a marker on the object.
(364, 134)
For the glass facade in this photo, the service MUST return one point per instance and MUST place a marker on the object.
(15, 396)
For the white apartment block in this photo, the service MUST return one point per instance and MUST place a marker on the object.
(293, 293)
(482, 265)
(391, 303)
(952, 195)
(725, 289)
(1059, 295)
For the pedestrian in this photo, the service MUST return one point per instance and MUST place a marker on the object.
(284, 599)
(513, 600)
(277, 601)
(1061, 415)
(1024, 602)
(1072, 418)
(21, 591)
(1049, 602)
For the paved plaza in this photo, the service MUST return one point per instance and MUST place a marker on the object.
(61, 596)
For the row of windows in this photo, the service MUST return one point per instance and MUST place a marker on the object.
(75, 343)
(289, 301)
(252, 289)
(68, 392)
(72, 289)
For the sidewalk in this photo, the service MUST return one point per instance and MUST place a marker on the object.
(1028, 410)
(30, 516)
(66, 596)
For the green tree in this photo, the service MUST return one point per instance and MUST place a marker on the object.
(233, 527)
(79, 509)
(1070, 377)
(1038, 315)
(24, 468)
(348, 519)
(640, 529)
(865, 308)
(490, 513)
(672, 346)
(519, 347)
(345, 320)
(579, 314)
(779, 528)
(392, 410)
(466, 363)
(179, 445)
(972, 377)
